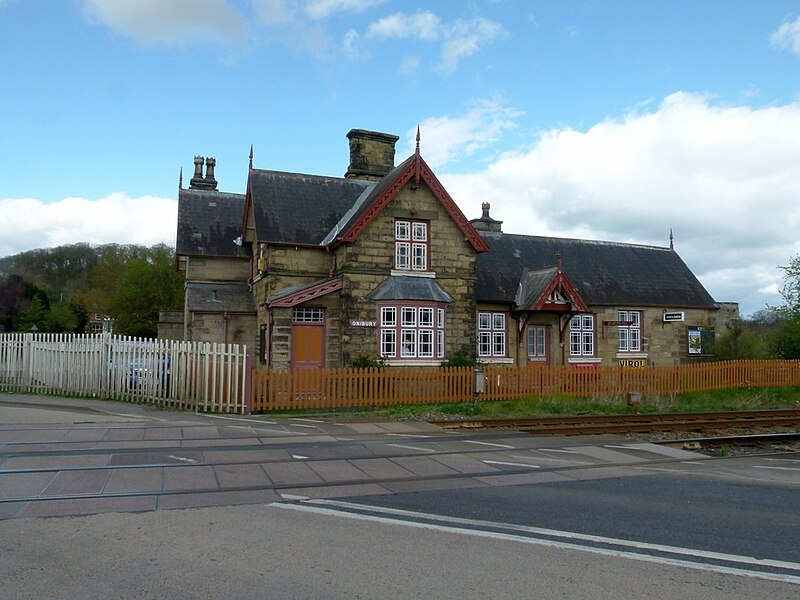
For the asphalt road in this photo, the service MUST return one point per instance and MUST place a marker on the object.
(700, 511)
(307, 508)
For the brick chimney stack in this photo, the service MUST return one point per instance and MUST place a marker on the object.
(371, 154)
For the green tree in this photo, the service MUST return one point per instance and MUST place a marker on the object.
(148, 284)
(35, 318)
(61, 318)
(789, 337)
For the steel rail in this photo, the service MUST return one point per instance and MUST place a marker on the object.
(638, 423)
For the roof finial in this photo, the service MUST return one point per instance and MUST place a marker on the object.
(251, 156)
(671, 240)
(558, 260)
(416, 162)
(180, 180)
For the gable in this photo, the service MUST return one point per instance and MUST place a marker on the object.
(366, 210)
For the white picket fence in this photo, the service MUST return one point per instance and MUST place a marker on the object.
(198, 376)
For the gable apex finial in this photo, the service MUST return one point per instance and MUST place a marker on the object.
(558, 260)
(416, 162)
(671, 240)
(180, 180)
(251, 157)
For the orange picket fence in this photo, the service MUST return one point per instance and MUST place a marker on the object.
(273, 390)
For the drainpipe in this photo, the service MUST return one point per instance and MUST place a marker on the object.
(225, 327)
(333, 262)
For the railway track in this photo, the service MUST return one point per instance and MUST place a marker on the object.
(638, 423)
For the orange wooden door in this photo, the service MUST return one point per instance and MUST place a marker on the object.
(308, 346)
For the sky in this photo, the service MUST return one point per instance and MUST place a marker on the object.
(600, 119)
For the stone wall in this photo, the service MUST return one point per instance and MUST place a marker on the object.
(222, 328)
(209, 269)
(369, 260)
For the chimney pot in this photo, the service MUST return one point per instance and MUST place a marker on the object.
(486, 222)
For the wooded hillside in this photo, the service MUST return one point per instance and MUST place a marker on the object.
(56, 289)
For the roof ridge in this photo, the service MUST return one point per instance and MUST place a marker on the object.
(567, 239)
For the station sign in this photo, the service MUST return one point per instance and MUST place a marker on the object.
(673, 317)
(633, 363)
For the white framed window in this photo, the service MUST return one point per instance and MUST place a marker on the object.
(418, 333)
(491, 334)
(581, 335)
(630, 330)
(388, 343)
(411, 243)
(408, 343)
(388, 316)
(308, 315)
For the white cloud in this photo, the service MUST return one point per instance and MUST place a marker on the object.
(724, 178)
(424, 26)
(175, 21)
(459, 39)
(787, 36)
(322, 9)
(447, 138)
(117, 218)
(352, 46)
(465, 38)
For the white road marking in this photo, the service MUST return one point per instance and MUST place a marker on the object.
(784, 460)
(293, 497)
(691, 462)
(182, 459)
(510, 464)
(307, 420)
(319, 507)
(557, 450)
(618, 446)
(777, 468)
(259, 421)
(488, 444)
(411, 448)
(302, 425)
(410, 435)
(284, 431)
(548, 459)
(299, 456)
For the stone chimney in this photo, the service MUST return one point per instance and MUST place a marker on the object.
(487, 223)
(371, 154)
(198, 182)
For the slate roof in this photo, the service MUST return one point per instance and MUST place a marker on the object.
(603, 273)
(208, 222)
(531, 285)
(365, 201)
(220, 297)
(300, 209)
(399, 287)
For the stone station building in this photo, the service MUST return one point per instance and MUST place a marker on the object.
(318, 271)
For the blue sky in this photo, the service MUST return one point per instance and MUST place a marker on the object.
(602, 119)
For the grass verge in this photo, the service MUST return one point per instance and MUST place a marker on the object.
(722, 400)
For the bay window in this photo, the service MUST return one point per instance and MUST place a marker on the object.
(412, 331)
